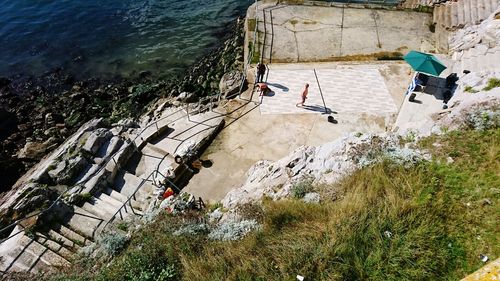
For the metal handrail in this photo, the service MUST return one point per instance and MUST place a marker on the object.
(81, 182)
(129, 199)
(155, 122)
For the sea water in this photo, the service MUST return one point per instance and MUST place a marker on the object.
(109, 38)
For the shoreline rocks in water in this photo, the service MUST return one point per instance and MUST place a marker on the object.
(38, 114)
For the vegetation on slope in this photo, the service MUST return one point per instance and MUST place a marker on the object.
(387, 222)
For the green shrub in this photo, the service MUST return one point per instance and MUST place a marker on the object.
(81, 198)
(492, 83)
(113, 243)
(122, 226)
(469, 89)
(301, 188)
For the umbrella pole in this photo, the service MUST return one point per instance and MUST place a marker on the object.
(320, 92)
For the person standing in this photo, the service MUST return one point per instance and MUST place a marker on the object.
(303, 95)
(261, 71)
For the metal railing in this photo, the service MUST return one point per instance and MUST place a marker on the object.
(132, 142)
(82, 182)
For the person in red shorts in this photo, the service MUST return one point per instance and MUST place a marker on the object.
(303, 95)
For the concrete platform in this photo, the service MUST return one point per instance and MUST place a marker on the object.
(350, 89)
(270, 133)
(299, 33)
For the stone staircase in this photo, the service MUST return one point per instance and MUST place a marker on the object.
(109, 190)
(456, 14)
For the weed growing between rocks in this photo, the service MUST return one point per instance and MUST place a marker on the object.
(492, 83)
(301, 188)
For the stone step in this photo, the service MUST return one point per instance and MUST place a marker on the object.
(127, 184)
(460, 13)
(99, 179)
(100, 208)
(157, 127)
(189, 130)
(447, 15)
(122, 198)
(54, 246)
(153, 158)
(115, 194)
(56, 236)
(22, 260)
(119, 159)
(467, 11)
(110, 200)
(109, 147)
(45, 255)
(85, 223)
(71, 235)
(454, 14)
(473, 11)
(127, 209)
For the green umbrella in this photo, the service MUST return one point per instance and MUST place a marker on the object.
(425, 63)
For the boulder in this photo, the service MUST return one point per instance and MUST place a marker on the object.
(36, 149)
(230, 83)
(67, 171)
(35, 196)
(95, 139)
(311, 197)
(187, 97)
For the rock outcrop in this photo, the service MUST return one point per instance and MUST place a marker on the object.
(325, 164)
(103, 174)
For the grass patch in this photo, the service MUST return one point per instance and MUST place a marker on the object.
(492, 83)
(470, 89)
(81, 198)
(435, 214)
(252, 24)
(122, 226)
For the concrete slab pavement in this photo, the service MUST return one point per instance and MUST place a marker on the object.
(295, 33)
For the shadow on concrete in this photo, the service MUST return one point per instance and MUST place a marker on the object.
(317, 108)
(279, 86)
(269, 94)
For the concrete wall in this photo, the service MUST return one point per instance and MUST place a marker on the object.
(298, 33)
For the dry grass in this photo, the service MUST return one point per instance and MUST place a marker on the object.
(428, 222)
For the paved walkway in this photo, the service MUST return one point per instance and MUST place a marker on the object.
(354, 89)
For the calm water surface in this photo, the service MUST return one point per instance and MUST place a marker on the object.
(105, 38)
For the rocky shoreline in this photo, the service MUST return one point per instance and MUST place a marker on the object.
(37, 115)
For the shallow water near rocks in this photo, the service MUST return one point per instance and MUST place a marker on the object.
(110, 38)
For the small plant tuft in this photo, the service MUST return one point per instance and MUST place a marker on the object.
(492, 83)
(469, 89)
(113, 243)
(301, 188)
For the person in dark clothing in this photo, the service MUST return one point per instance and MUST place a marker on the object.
(261, 70)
